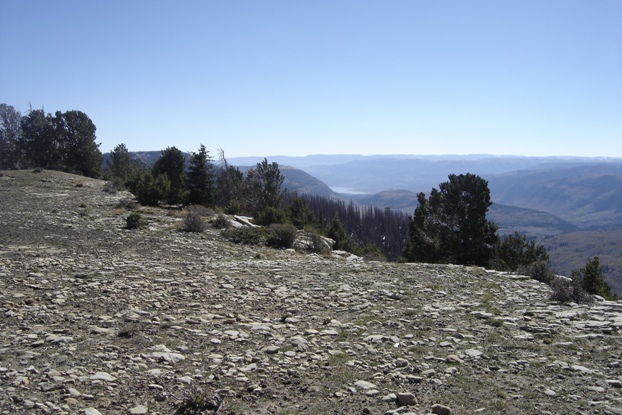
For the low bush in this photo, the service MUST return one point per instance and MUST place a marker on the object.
(270, 215)
(135, 221)
(539, 271)
(567, 290)
(233, 208)
(221, 222)
(193, 223)
(282, 235)
(247, 235)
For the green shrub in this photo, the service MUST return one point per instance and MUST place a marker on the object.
(193, 223)
(149, 190)
(247, 235)
(135, 221)
(591, 279)
(567, 290)
(282, 235)
(221, 222)
(539, 271)
(270, 215)
(233, 208)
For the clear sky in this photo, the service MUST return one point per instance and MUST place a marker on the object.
(261, 78)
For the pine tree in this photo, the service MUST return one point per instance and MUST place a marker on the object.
(172, 164)
(200, 178)
(592, 280)
(451, 227)
(120, 163)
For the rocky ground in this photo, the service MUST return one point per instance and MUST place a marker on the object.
(97, 319)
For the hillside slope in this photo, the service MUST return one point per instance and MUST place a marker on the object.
(100, 319)
(589, 196)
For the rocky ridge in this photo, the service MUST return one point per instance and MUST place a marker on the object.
(97, 319)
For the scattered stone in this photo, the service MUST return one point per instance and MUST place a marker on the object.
(441, 410)
(272, 349)
(103, 376)
(269, 329)
(406, 399)
(139, 410)
(363, 384)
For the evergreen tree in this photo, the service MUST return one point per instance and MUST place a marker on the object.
(120, 163)
(270, 182)
(338, 233)
(64, 141)
(10, 133)
(300, 212)
(38, 141)
(75, 135)
(200, 178)
(422, 245)
(172, 164)
(451, 227)
(149, 190)
(515, 251)
(592, 280)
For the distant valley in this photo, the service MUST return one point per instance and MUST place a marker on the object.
(571, 205)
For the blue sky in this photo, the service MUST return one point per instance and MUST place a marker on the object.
(261, 78)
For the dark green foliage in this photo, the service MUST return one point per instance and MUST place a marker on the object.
(120, 164)
(10, 133)
(248, 235)
(135, 221)
(149, 190)
(271, 180)
(538, 270)
(451, 227)
(173, 165)
(38, 141)
(514, 251)
(75, 134)
(283, 235)
(569, 291)
(270, 215)
(233, 207)
(337, 232)
(200, 178)
(63, 141)
(591, 279)
(261, 188)
(300, 213)
(193, 223)
(423, 245)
